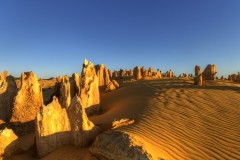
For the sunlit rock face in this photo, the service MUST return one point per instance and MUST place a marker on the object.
(144, 72)
(113, 85)
(137, 73)
(53, 129)
(29, 99)
(8, 90)
(103, 75)
(158, 74)
(89, 88)
(64, 92)
(198, 76)
(75, 85)
(119, 145)
(150, 72)
(8, 143)
(210, 72)
(169, 74)
(82, 129)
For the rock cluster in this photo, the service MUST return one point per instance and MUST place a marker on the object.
(234, 77)
(169, 74)
(89, 88)
(210, 72)
(29, 99)
(8, 90)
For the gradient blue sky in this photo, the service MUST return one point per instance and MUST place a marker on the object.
(52, 37)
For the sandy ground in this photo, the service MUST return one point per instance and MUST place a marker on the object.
(173, 118)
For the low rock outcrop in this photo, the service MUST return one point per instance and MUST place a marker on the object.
(113, 85)
(137, 73)
(89, 88)
(8, 143)
(29, 99)
(8, 90)
(82, 129)
(119, 145)
(53, 129)
(210, 72)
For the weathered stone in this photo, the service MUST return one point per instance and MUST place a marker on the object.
(137, 73)
(198, 80)
(29, 99)
(150, 72)
(64, 94)
(169, 74)
(89, 88)
(82, 129)
(112, 86)
(119, 145)
(8, 143)
(144, 72)
(158, 74)
(131, 73)
(210, 72)
(75, 84)
(110, 74)
(53, 129)
(8, 91)
(115, 75)
(103, 75)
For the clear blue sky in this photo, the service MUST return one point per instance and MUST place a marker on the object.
(52, 37)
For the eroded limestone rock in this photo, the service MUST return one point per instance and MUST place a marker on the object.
(198, 80)
(210, 72)
(8, 90)
(75, 84)
(64, 94)
(29, 99)
(137, 73)
(103, 75)
(113, 85)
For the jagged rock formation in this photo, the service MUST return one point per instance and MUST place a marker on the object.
(150, 72)
(8, 143)
(75, 84)
(64, 93)
(29, 99)
(169, 74)
(103, 75)
(113, 85)
(89, 88)
(8, 90)
(158, 74)
(119, 145)
(52, 128)
(82, 129)
(210, 72)
(137, 73)
(198, 76)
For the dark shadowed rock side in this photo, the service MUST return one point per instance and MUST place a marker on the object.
(89, 88)
(120, 146)
(64, 94)
(103, 75)
(8, 90)
(29, 99)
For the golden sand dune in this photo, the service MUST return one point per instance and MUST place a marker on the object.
(177, 120)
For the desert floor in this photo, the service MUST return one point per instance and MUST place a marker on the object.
(173, 118)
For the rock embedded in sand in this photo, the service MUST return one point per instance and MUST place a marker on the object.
(210, 72)
(198, 80)
(8, 143)
(29, 99)
(103, 75)
(82, 129)
(137, 73)
(119, 145)
(64, 94)
(8, 90)
(89, 88)
(53, 129)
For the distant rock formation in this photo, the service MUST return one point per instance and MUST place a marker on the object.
(75, 84)
(113, 85)
(198, 76)
(52, 128)
(82, 129)
(89, 88)
(144, 72)
(8, 90)
(158, 74)
(8, 143)
(210, 72)
(169, 74)
(137, 73)
(234, 77)
(150, 72)
(119, 145)
(103, 75)
(115, 75)
(64, 94)
(29, 99)
(131, 73)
